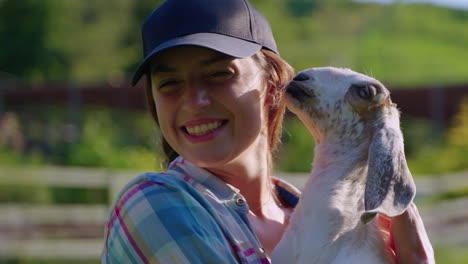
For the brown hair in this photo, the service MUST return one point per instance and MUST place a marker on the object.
(278, 73)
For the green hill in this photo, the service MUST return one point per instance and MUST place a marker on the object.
(400, 44)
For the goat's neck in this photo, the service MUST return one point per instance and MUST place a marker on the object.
(341, 158)
(340, 169)
(336, 189)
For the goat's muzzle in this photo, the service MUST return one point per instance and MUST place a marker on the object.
(298, 90)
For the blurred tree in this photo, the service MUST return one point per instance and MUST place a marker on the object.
(302, 7)
(297, 152)
(24, 27)
(139, 11)
(458, 132)
(450, 154)
(93, 41)
(105, 143)
(90, 33)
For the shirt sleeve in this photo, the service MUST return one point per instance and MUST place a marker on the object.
(154, 222)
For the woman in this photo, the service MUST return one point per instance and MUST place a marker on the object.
(215, 86)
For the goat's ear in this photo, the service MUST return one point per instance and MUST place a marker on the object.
(389, 187)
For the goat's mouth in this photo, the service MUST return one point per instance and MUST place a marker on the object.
(299, 91)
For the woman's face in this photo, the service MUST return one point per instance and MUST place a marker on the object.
(209, 106)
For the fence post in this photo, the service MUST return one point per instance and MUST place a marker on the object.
(437, 110)
(116, 183)
(74, 103)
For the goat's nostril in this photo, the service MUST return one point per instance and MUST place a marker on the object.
(301, 77)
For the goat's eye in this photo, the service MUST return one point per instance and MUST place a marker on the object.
(365, 92)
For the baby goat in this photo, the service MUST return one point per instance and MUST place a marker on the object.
(359, 169)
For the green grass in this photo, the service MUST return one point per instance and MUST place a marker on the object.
(451, 255)
(452, 195)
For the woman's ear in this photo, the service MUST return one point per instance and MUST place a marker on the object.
(150, 99)
(271, 95)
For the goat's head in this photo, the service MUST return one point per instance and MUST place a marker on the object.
(344, 107)
(334, 103)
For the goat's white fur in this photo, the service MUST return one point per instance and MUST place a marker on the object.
(359, 169)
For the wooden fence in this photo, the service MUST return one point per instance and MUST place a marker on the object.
(56, 231)
(75, 231)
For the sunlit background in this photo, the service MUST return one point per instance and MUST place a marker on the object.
(73, 131)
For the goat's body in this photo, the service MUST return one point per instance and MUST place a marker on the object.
(324, 227)
(359, 169)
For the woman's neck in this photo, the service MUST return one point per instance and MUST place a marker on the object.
(250, 172)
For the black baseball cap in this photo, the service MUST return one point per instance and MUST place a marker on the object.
(233, 27)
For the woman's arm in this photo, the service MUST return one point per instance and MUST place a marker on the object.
(156, 223)
(406, 237)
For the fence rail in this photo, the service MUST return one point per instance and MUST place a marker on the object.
(113, 180)
(75, 231)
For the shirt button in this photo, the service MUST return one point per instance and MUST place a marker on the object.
(240, 201)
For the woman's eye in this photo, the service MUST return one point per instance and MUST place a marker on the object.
(164, 85)
(221, 75)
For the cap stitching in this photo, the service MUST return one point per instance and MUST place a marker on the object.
(252, 32)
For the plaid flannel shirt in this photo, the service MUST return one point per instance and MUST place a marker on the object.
(185, 215)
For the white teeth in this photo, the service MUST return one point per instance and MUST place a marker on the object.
(203, 129)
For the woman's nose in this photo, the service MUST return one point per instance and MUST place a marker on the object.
(197, 96)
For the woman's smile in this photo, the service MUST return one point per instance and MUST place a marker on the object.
(202, 130)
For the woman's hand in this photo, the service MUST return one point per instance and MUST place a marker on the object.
(406, 238)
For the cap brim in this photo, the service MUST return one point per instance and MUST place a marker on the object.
(225, 44)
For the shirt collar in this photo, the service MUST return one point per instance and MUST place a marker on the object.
(225, 191)
(204, 177)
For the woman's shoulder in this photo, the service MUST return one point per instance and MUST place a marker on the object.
(147, 185)
(167, 179)
(160, 216)
(155, 214)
